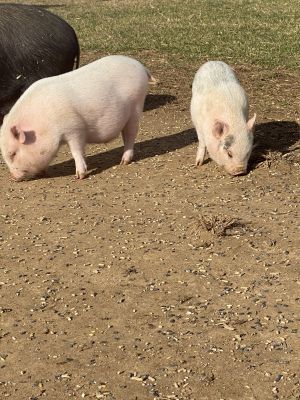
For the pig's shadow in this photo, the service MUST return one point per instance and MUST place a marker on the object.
(157, 100)
(275, 136)
(146, 149)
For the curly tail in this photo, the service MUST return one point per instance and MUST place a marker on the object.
(152, 80)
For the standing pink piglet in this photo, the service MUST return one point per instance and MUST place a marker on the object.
(219, 111)
(92, 104)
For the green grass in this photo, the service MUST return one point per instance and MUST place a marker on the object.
(260, 32)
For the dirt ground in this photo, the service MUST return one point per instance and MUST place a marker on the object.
(158, 280)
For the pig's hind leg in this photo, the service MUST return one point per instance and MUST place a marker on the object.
(129, 134)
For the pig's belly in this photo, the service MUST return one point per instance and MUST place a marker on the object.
(107, 126)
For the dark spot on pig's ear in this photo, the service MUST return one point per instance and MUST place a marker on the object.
(228, 142)
(30, 137)
(24, 137)
(219, 129)
(12, 155)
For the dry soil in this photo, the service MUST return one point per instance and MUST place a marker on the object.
(158, 280)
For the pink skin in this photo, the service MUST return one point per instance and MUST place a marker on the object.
(129, 133)
(30, 154)
(17, 176)
(25, 156)
(219, 111)
(233, 158)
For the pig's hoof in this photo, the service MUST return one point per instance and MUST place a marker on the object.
(127, 157)
(80, 175)
(125, 162)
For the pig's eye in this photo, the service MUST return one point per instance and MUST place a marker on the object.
(12, 155)
(229, 153)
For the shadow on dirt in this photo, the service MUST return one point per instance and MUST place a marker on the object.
(157, 100)
(149, 148)
(275, 136)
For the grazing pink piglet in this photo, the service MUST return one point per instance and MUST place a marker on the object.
(92, 104)
(219, 111)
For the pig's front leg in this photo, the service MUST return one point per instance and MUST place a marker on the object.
(200, 151)
(77, 149)
(129, 134)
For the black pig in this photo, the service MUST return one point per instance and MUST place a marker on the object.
(34, 44)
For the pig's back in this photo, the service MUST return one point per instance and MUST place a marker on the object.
(105, 93)
(213, 74)
(110, 76)
(110, 83)
(216, 85)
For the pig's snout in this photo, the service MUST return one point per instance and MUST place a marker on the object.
(18, 175)
(240, 170)
(17, 178)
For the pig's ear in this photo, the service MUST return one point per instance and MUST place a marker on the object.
(24, 137)
(219, 129)
(18, 134)
(251, 122)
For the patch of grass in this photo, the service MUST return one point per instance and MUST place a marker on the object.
(260, 32)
